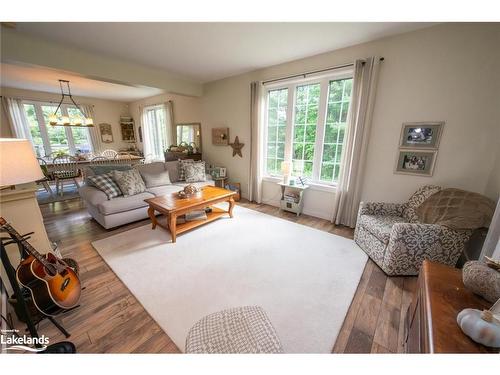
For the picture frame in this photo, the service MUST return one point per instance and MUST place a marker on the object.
(416, 162)
(220, 136)
(128, 134)
(222, 172)
(424, 135)
(106, 132)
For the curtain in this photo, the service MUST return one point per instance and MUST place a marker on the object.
(348, 194)
(95, 136)
(16, 116)
(157, 126)
(256, 141)
(169, 123)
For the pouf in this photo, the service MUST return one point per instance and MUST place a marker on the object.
(244, 329)
(482, 279)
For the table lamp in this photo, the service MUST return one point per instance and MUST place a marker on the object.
(18, 164)
(285, 169)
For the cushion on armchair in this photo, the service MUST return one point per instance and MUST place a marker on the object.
(380, 225)
(410, 212)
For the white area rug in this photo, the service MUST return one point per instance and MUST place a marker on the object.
(302, 277)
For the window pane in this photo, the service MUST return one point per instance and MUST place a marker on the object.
(81, 136)
(34, 127)
(339, 92)
(306, 113)
(56, 134)
(277, 103)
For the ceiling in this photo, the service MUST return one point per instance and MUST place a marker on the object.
(46, 80)
(205, 52)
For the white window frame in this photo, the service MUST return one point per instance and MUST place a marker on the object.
(291, 85)
(43, 126)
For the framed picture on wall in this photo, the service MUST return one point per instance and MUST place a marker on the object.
(128, 134)
(416, 162)
(220, 136)
(421, 135)
(106, 133)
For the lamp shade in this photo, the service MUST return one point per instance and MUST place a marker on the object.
(18, 164)
(286, 167)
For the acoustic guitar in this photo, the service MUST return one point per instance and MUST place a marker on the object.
(54, 286)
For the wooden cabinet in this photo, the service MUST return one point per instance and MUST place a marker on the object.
(431, 322)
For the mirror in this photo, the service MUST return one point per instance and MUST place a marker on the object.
(189, 133)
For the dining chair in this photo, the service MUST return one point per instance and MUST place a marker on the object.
(65, 168)
(109, 153)
(47, 176)
(123, 157)
(100, 160)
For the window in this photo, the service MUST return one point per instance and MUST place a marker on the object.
(48, 139)
(311, 134)
(155, 132)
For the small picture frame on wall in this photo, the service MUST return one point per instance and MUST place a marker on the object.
(421, 135)
(416, 162)
(106, 133)
(128, 134)
(220, 136)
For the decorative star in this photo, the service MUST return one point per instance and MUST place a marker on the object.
(237, 146)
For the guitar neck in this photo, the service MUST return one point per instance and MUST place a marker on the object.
(27, 246)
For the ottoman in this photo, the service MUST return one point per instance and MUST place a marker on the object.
(244, 329)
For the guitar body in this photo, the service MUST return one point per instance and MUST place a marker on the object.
(52, 294)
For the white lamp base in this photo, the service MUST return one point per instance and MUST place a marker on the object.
(286, 179)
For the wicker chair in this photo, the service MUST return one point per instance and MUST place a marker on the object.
(47, 176)
(65, 168)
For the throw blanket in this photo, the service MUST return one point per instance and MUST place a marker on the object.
(457, 209)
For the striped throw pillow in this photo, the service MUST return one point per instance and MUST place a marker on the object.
(105, 183)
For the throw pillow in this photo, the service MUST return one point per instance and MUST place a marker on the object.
(181, 170)
(155, 179)
(195, 172)
(130, 182)
(105, 183)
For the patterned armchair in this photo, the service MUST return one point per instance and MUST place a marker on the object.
(393, 237)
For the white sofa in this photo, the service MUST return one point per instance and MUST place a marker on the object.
(122, 210)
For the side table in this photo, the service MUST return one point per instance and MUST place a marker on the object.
(294, 202)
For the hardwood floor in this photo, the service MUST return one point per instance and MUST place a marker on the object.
(111, 320)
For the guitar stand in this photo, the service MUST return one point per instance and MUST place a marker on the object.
(11, 274)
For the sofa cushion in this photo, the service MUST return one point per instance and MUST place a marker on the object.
(130, 182)
(105, 183)
(150, 168)
(155, 179)
(122, 204)
(173, 173)
(380, 225)
(106, 168)
(181, 168)
(163, 190)
(92, 195)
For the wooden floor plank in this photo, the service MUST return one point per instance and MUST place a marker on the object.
(109, 313)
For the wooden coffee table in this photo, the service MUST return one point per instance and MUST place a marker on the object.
(172, 207)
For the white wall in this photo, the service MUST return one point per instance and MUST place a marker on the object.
(107, 111)
(186, 109)
(444, 73)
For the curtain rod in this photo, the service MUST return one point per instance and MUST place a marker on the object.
(304, 75)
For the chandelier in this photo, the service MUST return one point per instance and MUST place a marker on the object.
(56, 120)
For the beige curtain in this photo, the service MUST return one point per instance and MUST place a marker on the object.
(169, 116)
(348, 193)
(95, 135)
(256, 141)
(16, 116)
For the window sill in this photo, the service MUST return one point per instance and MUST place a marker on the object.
(312, 185)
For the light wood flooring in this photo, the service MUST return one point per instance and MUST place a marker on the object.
(111, 320)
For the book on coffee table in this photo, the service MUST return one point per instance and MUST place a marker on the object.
(196, 215)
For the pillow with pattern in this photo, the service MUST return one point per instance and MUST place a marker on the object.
(181, 168)
(130, 182)
(195, 172)
(105, 183)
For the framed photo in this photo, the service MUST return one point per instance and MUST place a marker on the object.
(416, 162)
(128, 134)
(421, 135)
(222, 172)
(220, 136)
(106, 133)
